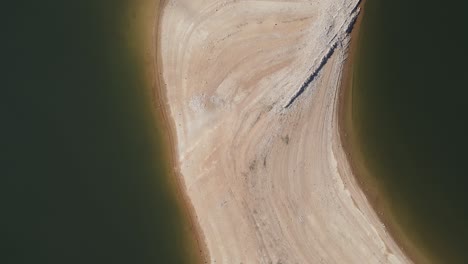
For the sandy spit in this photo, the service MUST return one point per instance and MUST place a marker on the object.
(252, 89)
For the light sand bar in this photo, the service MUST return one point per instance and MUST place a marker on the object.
(260, 152)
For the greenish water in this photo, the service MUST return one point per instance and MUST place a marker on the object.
(411, 114)
(83, 176)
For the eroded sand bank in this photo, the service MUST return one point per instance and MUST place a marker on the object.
(252, 87)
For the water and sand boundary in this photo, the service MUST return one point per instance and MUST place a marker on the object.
(210, 212)
(350, 141)
(367, 183)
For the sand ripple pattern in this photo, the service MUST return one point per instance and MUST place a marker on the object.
(258, 144)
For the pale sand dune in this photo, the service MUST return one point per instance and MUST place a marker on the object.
(262, 162)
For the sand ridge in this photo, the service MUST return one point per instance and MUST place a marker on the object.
(252, 87)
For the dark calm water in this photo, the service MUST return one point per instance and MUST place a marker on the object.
(411, 111)
(83, 178)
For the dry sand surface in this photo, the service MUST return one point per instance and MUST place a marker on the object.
(252, 88)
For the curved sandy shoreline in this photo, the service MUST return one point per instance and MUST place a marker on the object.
(147, 13)
(269, 180)
(159, 98)
(362, 175)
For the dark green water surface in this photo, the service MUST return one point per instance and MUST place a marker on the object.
(83, 178)
(411, 112)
